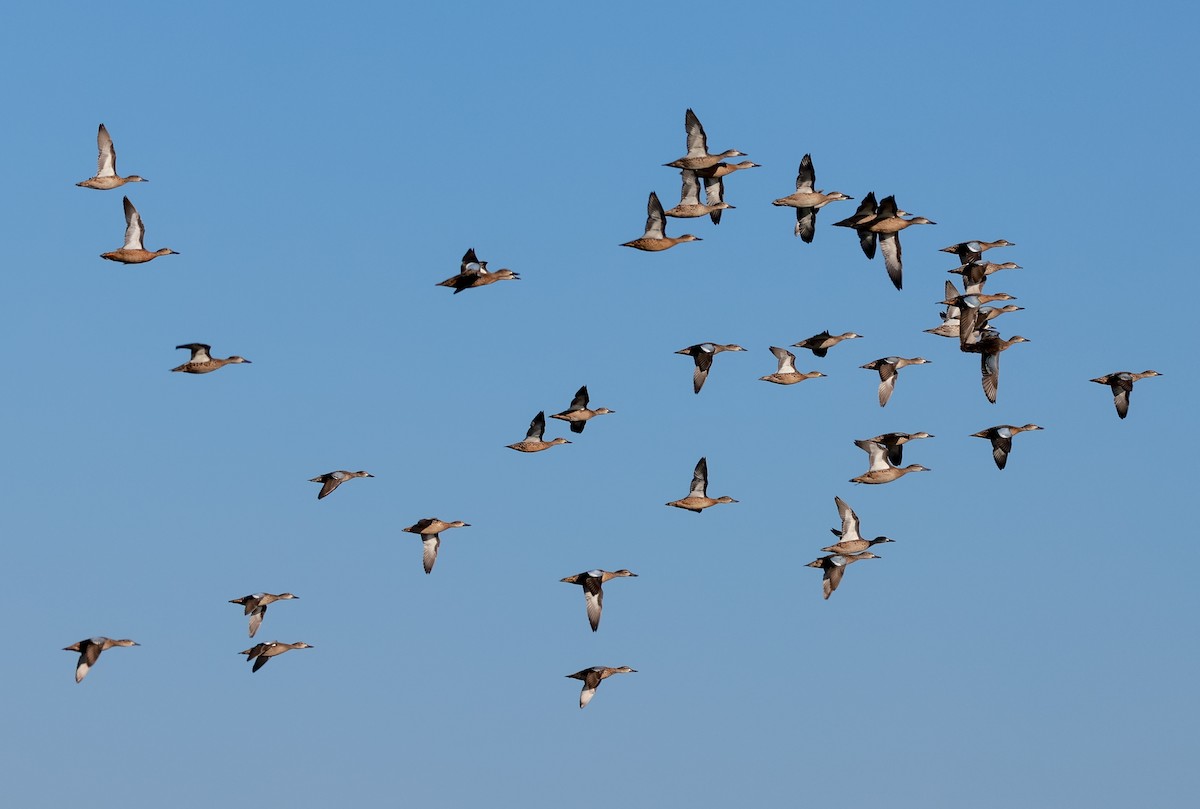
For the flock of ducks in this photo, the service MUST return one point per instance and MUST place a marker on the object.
(967, 317)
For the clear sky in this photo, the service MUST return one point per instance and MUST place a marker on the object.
(1027, 641)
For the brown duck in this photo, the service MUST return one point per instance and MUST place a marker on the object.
(807, 200)
(89, 652)
(592, 582)
(834, 567)
(533, 436)
(133, 252)
(1121, 383)
(331, 480)
(592, 677)
(1001, 437)
(260, 653)
(786, 373)
(106, 166)
(697, 156)
(474, 273)
(698, 499)
(256, 606)
(655, 238)
(578, 413)
(430, 529)
(202, 362)
(702, 354)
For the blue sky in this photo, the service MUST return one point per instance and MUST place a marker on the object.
(1024, 642)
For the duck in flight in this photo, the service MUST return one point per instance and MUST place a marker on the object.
(133, 252)
(89, 652)
(697, 156)
(578, 414)
(260, 653)
(255, 605)
(592, 582)
(430, 529)
(202, 362)
(592, 677)
(807, 200)
(106, 166)
(698, 499)
(655, 239)
(331, 480)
